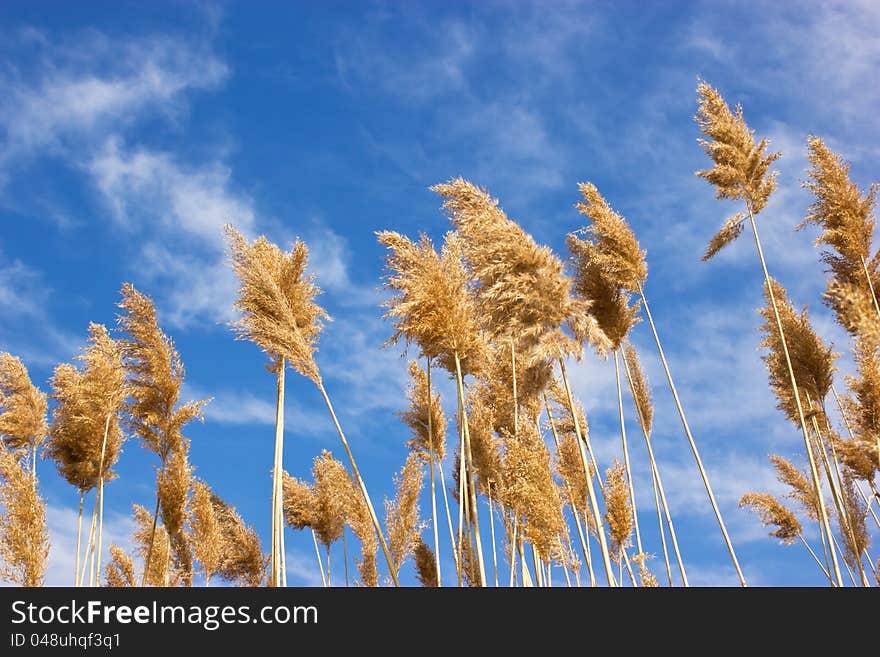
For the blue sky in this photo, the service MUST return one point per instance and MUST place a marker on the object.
(131, 132)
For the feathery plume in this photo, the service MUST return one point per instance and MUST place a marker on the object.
(206, 533)
(773, 512)
(608, 303)
(645, 575)
(120, 569)
(522, 289)
(173, 487)
(730, 230)
(22, 407)
(571, 471)
(416, 416)
(277, 301)
(615, 250)
(856, 542)
(242, 561)
(155, 543)
(426, 566)
(88, 401)
(742, 168)
(24, 538)
(485, 446)
(155, 376)
(432, 303)
(618, 513)
(811, 360)
(402, 522)
(639, 386)
(859, 456)
(854, 309)
(529, 489)
(801, 490)
(842, 210)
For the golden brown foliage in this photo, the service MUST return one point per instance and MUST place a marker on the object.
(856, 542)
(320, 505)
(730, 230)
(855, 311)
(416, 416)
(88, 401)
(432, 304)
(773, 512)
(22, 406)
(618, 512)
(639, 387)
(277, 300)
(485, 445)
(529, 489)
(859, 456)
(173, 488)
(863, 406)
(24, 538)
(155, 376)
(426, 565)
(841, 209)
(206, 532)
(741, 168)
(402, 522)
(645, 575)
(120, 569)
(615, 249)
(802, 490)
(522, 290)
(242, 562)
(157, 573)
(571, 471)
(608, 303)
(811, 360)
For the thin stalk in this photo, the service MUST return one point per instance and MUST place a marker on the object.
(345, 556)
(629, 570)
(536, 564)
(567, 578)
(492, 530)
(277, 523)
(658, 491)
(448, 517)
(470, 473)
(837, 494)
(101, 502)
(818, 563)
(328, 567)
(433, 494)
(318, 557)
(152, 535)
(462, 499)
(513, 544)
(852, 577)
(79, 524)
(660, 527)
(823, 514)
(870, 286)
(570, 496)
(693, 445)
(90, 547)
(526, 575)
(362, 485)
(600, 526)
(632, 491)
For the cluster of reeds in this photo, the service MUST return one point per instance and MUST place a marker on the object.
(503, 318)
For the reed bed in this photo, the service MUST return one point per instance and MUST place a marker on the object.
(502, 319)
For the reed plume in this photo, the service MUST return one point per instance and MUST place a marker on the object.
(800, 488)
(811, 360)
(173, 485)
(85, 437)
(120, 569)
(242, 561)
(618, 513)
(742, 170)
(426, 567)
(153, 547)
(205, 529)
(853, 532)
(402, 521)
(521, 286)
(279, 314)
(648, 580)
(23, 409)
(773, 512)
(155, 376)
(24, 538)
(639, 387)
(845, 214)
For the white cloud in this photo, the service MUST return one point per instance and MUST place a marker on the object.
(80, 88)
